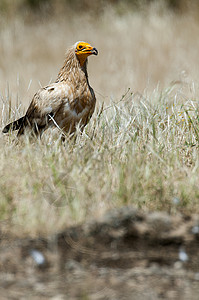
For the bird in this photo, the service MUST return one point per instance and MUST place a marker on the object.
(67, 102)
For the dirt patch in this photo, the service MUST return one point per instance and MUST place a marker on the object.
(124, 255)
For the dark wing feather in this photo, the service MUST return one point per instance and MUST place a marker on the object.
(14, 125)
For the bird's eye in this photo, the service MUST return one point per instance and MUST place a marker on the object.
(80, 46)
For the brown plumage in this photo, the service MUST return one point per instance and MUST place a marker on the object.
(67, 102)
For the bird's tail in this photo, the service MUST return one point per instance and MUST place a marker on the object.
(14, 125)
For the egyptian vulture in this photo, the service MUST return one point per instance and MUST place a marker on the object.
(68, 101)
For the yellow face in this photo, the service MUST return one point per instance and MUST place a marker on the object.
(83, 50)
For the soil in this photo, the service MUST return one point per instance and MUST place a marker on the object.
(125, 255)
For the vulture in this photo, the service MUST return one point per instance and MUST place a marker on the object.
(69, 101)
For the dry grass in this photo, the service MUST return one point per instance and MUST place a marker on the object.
(141, 149)
(137, 51)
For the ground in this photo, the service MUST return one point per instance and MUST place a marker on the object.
(126, 254)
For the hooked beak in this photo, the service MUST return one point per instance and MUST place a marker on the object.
(94, 51)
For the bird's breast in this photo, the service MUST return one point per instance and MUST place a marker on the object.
(81, 102)
(78, 107)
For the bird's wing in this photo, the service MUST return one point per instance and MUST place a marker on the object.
(47, 101)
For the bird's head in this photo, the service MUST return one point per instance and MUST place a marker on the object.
(83, 50)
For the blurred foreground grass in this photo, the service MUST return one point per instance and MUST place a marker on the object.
(142, 150)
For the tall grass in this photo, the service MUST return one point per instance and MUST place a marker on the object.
(142, 150)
